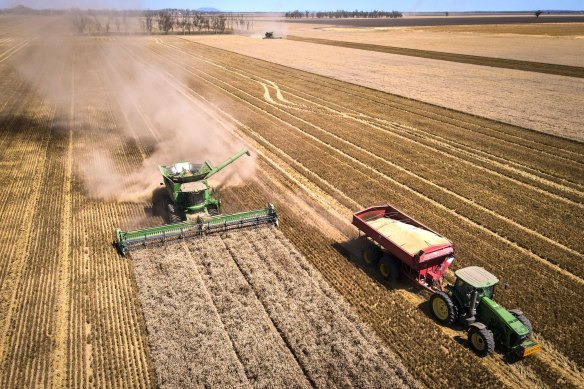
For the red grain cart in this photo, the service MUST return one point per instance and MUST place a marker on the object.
(403, 245)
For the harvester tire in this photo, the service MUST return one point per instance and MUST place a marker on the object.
(389, 269)
(173, 216)
(371, 255)
(481, 339)
(443, 308)
(524, 320)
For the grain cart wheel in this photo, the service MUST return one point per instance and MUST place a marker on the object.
(371, 254)
(481, 339)
(443, 308)
(389, 268)
(521, 317)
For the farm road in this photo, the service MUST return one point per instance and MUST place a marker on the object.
(538, 67)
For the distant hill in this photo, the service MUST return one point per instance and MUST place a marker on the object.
(208, 9)
(20, 10)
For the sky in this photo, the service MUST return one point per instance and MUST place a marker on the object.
(312, 5)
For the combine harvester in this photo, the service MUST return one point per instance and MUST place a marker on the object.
(193, 209)
(399, 245)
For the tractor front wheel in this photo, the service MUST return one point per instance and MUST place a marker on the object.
(371, 254)
(389, 269)
(521, 317)
(443, 308)
(481, 339)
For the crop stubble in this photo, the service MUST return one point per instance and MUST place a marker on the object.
(283, 322)
(496, 246)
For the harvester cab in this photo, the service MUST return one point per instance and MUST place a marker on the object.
(470, 300)
(188, 188)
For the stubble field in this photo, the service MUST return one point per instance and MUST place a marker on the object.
(511, 199)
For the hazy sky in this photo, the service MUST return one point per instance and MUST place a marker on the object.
(264, 5)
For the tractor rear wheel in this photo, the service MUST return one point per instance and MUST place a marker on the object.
(481, 339)
(524, 320)
(371, 254)
(389, 268)
(443, 308)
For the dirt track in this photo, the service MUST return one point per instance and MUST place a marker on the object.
(510, 198)
(546, 68)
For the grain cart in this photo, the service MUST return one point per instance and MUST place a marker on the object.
(399, 245)
(193, 208)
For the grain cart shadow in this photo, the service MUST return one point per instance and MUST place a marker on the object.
(351, 250)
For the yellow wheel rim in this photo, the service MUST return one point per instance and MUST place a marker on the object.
(440, 308)
(383, 270)
(477, 341)
(367, 258)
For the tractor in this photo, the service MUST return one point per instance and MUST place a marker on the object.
(399, 245)
(471, 302)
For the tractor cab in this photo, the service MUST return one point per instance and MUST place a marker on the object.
(471, 285)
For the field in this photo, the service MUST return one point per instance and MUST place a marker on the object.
(81, 137)
(259, 314)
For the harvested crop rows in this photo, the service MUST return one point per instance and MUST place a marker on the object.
(68, 306)
(249, 307)
(561, 70)
(487, 188)
(511, 199)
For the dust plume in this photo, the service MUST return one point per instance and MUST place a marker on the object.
(112, 88)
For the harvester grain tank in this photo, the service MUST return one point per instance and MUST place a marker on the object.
(193, 207)
(399, 245)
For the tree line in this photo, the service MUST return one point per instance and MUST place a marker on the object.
(342, 14)
(176, 21)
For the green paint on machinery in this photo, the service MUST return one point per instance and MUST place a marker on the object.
(193, 208)
(160, 235)
(188, 187)
(471, 301)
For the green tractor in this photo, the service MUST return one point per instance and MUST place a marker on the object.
(189, 191)
(470, 301)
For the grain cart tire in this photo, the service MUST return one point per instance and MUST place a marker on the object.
(443, 308)
(389, 268)
(481, 339)
(524, 320)
(371, 255)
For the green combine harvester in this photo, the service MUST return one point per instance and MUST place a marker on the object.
(193, 208)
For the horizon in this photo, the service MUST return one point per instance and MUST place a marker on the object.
(263, 6)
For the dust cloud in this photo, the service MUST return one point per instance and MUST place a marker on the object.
(152, 108)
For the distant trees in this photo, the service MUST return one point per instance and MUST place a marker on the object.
(341, 14)
(537, 13)
(185, 21)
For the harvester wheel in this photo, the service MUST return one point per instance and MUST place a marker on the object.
(481, 339)
(443, 308)
(524, 320)
(389, 268)
(174, 217)
(371, 254)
